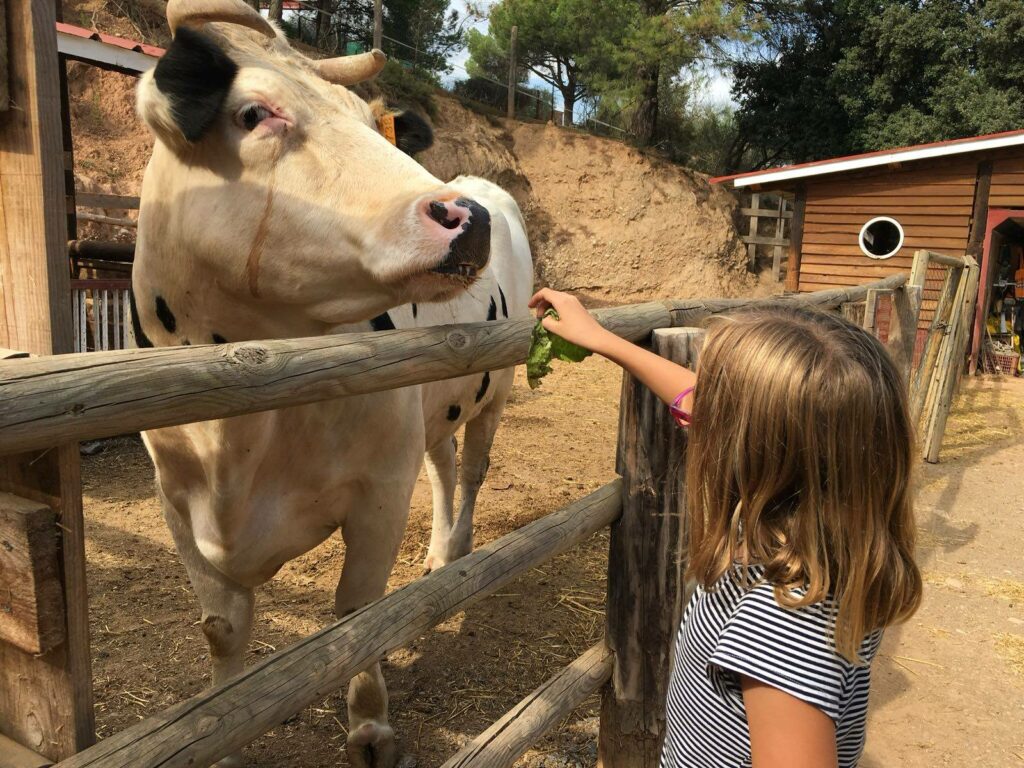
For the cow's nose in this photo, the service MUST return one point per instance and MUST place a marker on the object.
(467, 226)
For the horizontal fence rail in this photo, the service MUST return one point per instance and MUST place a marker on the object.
(213, 724)
(50, 400)
(520, 728)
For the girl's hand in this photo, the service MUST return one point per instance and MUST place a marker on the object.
(574, 323)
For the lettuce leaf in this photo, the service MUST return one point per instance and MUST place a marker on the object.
(546, 347)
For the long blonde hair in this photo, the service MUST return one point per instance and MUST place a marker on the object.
(799, 460)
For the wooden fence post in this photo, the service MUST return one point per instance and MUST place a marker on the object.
(45, 698)
(755, 205)
(645, 567)
(512, 79)
(378, 24)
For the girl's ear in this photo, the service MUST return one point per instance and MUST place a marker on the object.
(412, 132)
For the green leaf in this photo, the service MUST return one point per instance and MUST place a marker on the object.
(546, 347)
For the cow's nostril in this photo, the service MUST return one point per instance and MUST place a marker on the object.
(439, 213)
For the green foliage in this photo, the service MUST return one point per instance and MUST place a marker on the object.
(546, 347)
(404, 87)
(848, 76)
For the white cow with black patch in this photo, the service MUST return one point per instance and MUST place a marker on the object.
(273, 208)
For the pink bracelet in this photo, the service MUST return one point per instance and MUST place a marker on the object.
(682, 417)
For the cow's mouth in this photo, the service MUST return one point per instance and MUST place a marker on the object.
(460, 270)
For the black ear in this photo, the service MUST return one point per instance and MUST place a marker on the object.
(412, 133)
(195, 75)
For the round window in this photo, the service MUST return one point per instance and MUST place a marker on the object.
(881, 237)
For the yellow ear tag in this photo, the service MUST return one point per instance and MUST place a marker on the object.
(386, 125)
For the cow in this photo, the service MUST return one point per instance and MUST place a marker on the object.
(274, 206)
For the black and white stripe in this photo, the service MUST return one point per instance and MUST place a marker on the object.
(736, 630)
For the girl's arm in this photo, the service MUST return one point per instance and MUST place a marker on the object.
(786, 732)
(663, 377)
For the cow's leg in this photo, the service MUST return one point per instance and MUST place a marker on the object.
(227, 609)
(441, 470)
(476, 458)
(372, 536)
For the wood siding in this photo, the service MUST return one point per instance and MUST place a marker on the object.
(1008, 180)
(933, 202)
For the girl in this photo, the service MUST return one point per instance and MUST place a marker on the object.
(801, 532)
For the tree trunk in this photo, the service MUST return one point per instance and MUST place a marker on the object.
(645, 120)
(323, 23)
(276, 10)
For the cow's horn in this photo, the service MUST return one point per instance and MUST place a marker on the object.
(349, 70)
(197, 12)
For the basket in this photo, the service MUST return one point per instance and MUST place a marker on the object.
(1002, 362)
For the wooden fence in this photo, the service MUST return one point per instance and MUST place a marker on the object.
(47, 401)
(778, 212)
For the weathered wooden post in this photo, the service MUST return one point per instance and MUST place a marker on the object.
(378, 24)
(45, 684)
(513, 81)
(645, 566)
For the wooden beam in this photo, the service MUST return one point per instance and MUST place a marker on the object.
(521, 727)
(755, 205)
(765, 212)
(45, 700)
(220, 721)
(950, 370)
(13, 755)
(646, 564)
(780, 226)
(906, 312)
(975, 248)
(116, 221)
(31, 600)
(104, 200)
(5, 92)
(85, 396)
(35, 314)
(796, 239)
(762, 240)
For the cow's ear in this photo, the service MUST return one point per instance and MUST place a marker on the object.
(182, 97)
(412, 133)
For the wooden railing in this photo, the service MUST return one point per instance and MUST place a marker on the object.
(46, 401)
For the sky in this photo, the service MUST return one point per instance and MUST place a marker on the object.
(716, 91)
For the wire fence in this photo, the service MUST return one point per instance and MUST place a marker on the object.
(543, 105)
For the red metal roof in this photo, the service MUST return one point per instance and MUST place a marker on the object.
(120, 42)
(955, 145)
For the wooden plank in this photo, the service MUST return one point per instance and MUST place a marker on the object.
(872, 271)
(13, 755)
(811, 283)
(983, 200)
(911, 240)
(906, 306)
(838, 217)
(796, 238)
(45, 700)
(755, 200)
(915, 201)
(903, 262)
(953, 365)
(766, 212)
(1007, 201)
(519, 729)
(853, 228)
(780, 224)
(104, 200)
(913, 191)
(834, 249)
(5, 91)
(34, 309)
(218, 722)
(763, 240)
(876, 208)
(646, 564)
(112, 220)
(100, 394)
(31, 599)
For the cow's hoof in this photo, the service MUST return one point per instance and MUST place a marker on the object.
(373, 745)
(432, 563)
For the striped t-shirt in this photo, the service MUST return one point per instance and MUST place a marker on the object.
(734, 630)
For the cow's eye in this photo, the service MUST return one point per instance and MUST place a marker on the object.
(252, 115)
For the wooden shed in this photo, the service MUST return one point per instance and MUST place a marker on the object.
(860, 218)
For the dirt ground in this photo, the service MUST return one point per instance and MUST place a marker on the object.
(948, 689)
